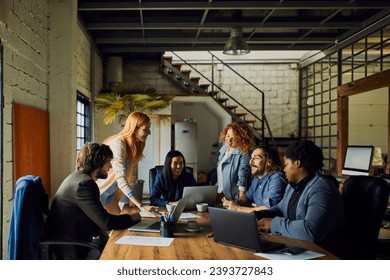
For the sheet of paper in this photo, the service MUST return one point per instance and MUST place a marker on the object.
(277, 255)
(188, 215)
(145, 241)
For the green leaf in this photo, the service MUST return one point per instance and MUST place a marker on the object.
(125, 99)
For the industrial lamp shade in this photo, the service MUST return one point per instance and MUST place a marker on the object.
(236, 45)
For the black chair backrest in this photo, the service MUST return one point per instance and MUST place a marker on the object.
(365, 201)
(159, 169)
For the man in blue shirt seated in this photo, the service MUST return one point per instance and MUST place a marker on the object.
(311, 208)
(268, 185)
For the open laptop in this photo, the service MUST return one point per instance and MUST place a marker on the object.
(239, 229)
(358, 160)
(154, 225)
(196, 194)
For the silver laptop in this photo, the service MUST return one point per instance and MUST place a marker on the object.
(239, 229)
(196, 194)
(154, 225)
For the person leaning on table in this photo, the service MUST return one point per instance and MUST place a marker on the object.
(268, 184)
(127, 147)
(311, 208)
(76, 213)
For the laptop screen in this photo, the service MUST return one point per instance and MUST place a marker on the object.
(196, 194)
(238, 229)
(358, 160)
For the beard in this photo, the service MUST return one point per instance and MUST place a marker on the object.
(101, 174)
(258, 171)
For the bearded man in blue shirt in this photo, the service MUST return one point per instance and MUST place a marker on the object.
(268, 184)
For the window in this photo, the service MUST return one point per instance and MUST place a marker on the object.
(83, 121)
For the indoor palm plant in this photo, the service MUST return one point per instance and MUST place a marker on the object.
(124, 99)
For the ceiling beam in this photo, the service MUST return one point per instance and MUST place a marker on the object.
(216, 25)
(231, 5)
(211, 40)
(163, 48)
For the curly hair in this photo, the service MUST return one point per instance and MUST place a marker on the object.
(243, 136)
(307, 153)
(93, 156)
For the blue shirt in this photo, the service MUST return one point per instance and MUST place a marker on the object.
(267, 190)
(161, 197)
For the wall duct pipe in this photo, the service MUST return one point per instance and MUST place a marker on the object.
(114, 71)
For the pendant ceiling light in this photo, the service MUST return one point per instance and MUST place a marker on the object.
(236, 45)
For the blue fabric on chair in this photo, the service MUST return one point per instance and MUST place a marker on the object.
(27, 221)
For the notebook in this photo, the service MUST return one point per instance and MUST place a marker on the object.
(154, 225)
(239, 229)
(196, 194)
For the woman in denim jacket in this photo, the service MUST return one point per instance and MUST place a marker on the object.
(233, 169)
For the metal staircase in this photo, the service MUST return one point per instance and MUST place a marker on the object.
(184, 77)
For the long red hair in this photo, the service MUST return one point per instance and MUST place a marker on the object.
(134, 148)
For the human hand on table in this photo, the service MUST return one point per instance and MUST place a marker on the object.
(264, 225)
(229, 204)
(135, 217)
(151, 209)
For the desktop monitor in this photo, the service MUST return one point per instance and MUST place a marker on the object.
(358, 160)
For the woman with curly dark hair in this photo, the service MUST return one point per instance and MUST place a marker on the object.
(233, 168)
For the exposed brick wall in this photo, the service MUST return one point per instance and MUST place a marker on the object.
(24, 36)
(149, 74)
(27, 50)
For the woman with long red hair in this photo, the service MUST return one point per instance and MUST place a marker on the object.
(127, 147)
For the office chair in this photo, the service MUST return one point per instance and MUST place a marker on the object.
(29, 211)
(365, 200)
(159, 169)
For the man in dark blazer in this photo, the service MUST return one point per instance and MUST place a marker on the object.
(311, 208)
(76, 213)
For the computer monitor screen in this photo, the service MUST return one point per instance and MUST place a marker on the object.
(358, 160)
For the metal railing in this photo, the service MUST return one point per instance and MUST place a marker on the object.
(263, 119)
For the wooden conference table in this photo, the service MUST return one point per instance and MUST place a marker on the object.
(192, 245)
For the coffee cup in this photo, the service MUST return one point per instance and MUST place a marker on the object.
(202, 207)
(170, 207)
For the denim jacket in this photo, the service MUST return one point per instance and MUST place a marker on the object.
(235, 172)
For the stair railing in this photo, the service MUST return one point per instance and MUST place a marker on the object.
(263, 120)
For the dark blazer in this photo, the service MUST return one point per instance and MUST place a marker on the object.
(77, 214)
(161, 197)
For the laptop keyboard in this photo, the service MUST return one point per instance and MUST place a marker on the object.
(155, 225)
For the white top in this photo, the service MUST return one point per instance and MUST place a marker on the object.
(219, 173)
(125, 177)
